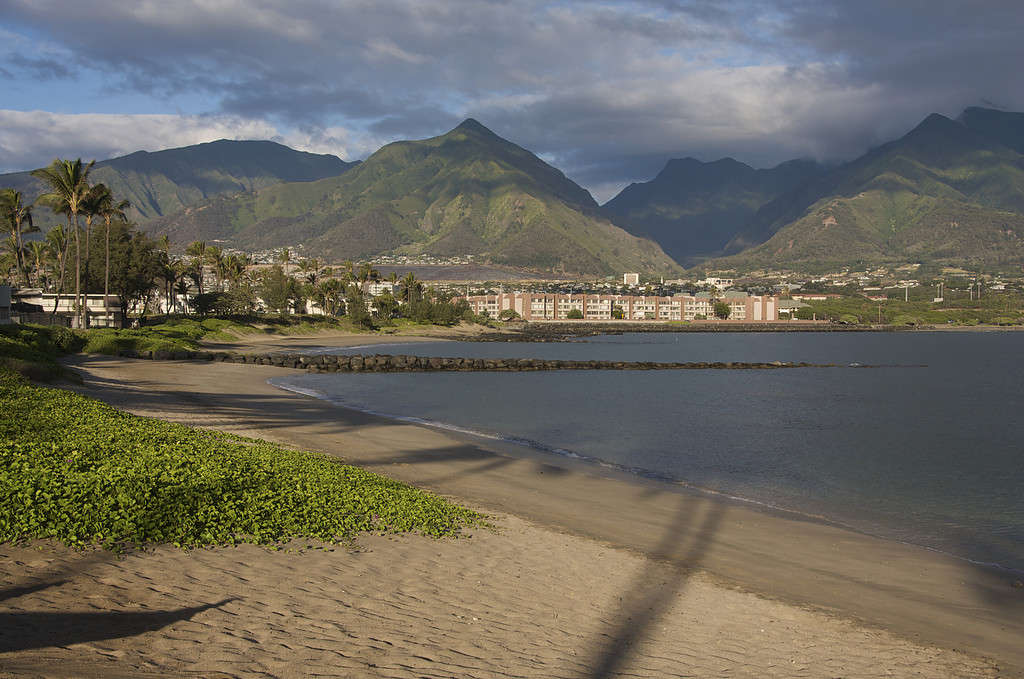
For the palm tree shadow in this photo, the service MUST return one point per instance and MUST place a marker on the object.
(21, 631)
(15, 592)
(650, 597)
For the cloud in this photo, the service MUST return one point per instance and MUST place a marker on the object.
(30, 139)
(609, 90)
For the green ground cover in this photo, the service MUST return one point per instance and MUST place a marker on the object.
(76, 470)
(1005, 310)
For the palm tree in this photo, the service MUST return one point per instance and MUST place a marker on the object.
(197, 251)
(409, 288)
(68, 181)
(17, 215)
(40, 254)
(110, 211)
(58, 243)
(285, 257)
(368, 273)
(215, 257)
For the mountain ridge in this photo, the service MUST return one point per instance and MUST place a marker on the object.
(468, 191)
(163, 182)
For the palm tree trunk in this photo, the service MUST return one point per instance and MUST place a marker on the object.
(78, 273)
(63, 269)
(106, 271)
(88, 237)
(20, 255)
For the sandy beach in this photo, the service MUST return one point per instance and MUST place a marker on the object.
(587, 573)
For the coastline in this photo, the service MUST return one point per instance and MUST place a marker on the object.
(911, 593)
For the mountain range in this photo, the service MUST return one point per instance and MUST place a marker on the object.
(947, 191)
(465, 192)
(693, 208)
(162, 182)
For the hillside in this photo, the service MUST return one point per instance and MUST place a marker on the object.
(943, 192)
(164, 182)
(465, 192)
(694, 209)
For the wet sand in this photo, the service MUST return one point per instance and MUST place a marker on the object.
(589, 573)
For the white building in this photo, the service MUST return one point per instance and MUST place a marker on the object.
(631, 279)
(102, 312)
(720, 283)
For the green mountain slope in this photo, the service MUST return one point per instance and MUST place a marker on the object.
(943, 192)
(164, 182)
(465, 192)
(694, 209)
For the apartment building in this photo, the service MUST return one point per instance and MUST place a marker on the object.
(538, 306)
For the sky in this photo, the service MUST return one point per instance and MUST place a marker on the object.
(606, 91)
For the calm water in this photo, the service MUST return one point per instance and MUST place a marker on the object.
(930, 455)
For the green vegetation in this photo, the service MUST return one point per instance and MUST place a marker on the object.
(1001, 309)
(33, 350)
(76, 470)
(574, 314)
(722, 310)
(943, 193)
(164, 182)
(465, 192)
(693, 208)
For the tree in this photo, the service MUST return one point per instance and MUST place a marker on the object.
(355, 307)
(509, 315)
(57, 242)
(386, 306)
(617, 312)
(330, 296)
(40, 256)
(277, 289)
(574, 314)
(367, 273)
(285, 256)
(409, 289)
(18, 218)
(136, 263)
(197, 251)
(181, 293)
(722, 310)
(110, 211)
(68, 181)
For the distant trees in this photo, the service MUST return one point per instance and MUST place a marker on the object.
(17, 217)
(574, 314)
(722, 310)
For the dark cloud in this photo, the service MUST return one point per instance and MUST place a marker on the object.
(609, 90)
(40, 68)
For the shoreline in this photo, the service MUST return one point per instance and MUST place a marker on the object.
(911, 591)
(519, 446)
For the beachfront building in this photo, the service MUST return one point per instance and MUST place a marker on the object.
(103, 312)
(538, 306)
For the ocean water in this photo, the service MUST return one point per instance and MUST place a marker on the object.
(927, 450)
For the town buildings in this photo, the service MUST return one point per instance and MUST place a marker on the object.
(537, 306)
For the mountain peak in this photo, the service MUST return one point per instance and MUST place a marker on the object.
(473, 125)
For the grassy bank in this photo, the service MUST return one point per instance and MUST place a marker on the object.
(996, 310)
(79, 471)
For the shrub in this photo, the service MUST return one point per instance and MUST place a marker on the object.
(76, 470)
